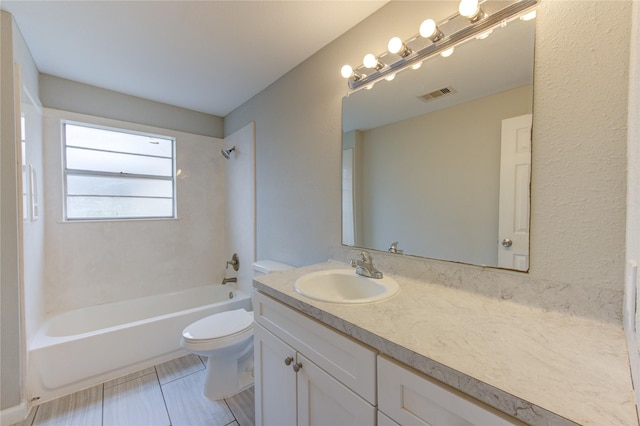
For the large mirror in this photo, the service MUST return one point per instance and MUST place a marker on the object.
(439, 159)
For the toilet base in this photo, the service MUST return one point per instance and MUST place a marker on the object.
(227, 376)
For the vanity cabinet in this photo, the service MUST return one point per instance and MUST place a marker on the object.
(407, 397)
(307, 374)
(308, 396)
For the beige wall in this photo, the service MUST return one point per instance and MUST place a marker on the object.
(10, 340)
(579, 153)
(82, 98)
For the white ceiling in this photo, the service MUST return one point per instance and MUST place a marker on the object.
(208, 56)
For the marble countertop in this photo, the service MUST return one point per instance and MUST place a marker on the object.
(543, 368)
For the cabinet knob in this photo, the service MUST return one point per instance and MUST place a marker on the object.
(288, 360)
(297, 366)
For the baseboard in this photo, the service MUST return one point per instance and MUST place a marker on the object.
(14, 414)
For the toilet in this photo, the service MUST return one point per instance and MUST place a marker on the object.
(226, 339)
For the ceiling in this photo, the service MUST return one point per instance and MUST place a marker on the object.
(208, 56)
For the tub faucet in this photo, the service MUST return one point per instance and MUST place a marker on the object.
(229, 280)
(364, 266)
(234, 262)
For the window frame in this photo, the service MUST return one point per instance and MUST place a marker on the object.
(82, 172)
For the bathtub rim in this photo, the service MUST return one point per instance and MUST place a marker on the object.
(41, 339)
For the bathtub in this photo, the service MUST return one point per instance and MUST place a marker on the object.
(84, 347)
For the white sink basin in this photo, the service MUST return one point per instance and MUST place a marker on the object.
(345, 286)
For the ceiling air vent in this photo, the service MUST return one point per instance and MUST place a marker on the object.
(437, 94)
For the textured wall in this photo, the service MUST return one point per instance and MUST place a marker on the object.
(579, 164)
(579, 142)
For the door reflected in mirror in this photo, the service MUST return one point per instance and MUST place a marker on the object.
(439, 159)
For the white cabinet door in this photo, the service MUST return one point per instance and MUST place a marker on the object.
(275, 384)
(350, 362)
(322, 400)
(384, 420)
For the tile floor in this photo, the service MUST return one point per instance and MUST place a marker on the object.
(167, 394)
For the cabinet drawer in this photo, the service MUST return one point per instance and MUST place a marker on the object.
(411, 398)
(350, 362)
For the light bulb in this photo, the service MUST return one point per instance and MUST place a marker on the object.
(528, 16)
(346, 71)
(395, 45)
(428, 28)
(470, 9)
(416, 66)
(447, 53)
(390, 77)
(484, 35)
(369, 87)
(370, 61)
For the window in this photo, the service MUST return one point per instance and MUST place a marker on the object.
(117, 174)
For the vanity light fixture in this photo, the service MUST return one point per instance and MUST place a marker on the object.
(447, 53)
(397, 46)
(528, 16)
(390, 77)
(471, 10)
(475, 19)
(371, 61)
(484, 35)
(348, 72)
(416, 66)
(429, 29)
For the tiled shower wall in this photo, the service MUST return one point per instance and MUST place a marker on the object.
(90, 263)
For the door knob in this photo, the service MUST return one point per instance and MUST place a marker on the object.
(288, 360)
(507, 242)
(297, 366)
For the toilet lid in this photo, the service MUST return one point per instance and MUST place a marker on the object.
(219, 325)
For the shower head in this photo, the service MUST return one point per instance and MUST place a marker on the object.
(227, 152)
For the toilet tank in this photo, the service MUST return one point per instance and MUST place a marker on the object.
(263, 267)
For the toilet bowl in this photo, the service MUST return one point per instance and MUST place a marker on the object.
(226, 339)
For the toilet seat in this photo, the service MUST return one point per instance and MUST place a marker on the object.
(219, 330)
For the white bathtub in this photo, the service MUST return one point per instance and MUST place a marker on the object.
(80, 348)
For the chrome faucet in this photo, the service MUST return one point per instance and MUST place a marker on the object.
(229, 280)
(364, 266)
(393, 248)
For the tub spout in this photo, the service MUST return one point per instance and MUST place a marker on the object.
(229, 280)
